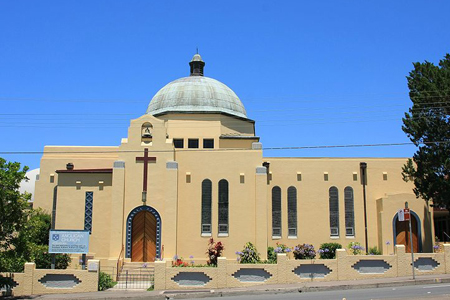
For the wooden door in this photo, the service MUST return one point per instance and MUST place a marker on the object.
(143, 237)
(402, 234)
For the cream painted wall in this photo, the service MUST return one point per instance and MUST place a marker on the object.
(178, 200)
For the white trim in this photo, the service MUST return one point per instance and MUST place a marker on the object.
(292, 237)
(350, 237)
(206, 234)
(334, 237)
(276, 237)
(222, 234)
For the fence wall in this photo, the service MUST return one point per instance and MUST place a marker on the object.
(43, 281)
(344, 267)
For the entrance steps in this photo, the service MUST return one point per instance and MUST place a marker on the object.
(136, 275)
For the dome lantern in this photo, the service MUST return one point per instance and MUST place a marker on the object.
(197, 64)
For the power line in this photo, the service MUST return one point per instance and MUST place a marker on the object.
(225, 149)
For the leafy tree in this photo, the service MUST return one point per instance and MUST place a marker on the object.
(13, 204)
(427, 124)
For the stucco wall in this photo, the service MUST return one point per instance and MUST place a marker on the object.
(344, 267)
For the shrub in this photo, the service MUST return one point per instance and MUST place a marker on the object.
(249, 255)
(271, 255)
(105, 281)
(305, 251)
(355, 248)
(215, 250)
(178, 262)
(328, 250)
(374, 251)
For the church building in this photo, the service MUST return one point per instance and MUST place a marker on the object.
(192, 168)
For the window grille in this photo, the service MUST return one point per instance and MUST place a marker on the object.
(349, 212)
(334, 211)
(276, 211)
(88, 209)
(206, 205)
(223, 206)
(292, 211)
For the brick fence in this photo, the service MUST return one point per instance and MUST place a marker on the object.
(344, 267)
(44, 281)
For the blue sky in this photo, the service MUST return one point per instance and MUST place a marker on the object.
(309, 73)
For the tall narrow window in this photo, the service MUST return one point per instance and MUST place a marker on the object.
(349, 212)
(223, 206)
(88, 208)
(206, 206)
(292, 211)
(276, 211)
(334, 211)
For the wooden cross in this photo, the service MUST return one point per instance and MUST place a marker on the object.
(146, 159)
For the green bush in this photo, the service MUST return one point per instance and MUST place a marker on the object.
(271, 255)
(374, 251)
(249, 254)
(328, 250)
(105, 282)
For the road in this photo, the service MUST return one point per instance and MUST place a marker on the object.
(429, 292)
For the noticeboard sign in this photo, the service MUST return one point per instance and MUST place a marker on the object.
(68, 241)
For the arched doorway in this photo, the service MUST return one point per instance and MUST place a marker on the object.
(143, 234)
(143, 237)
(402, 235)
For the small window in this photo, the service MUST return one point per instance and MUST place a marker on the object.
(178, 143)
(208, 143)
(193, 143)
(385, 176)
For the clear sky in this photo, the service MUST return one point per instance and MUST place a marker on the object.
(310, 73)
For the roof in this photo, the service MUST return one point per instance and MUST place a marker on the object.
(196, 94)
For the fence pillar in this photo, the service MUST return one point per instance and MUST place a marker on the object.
(341, 261)
(222, 275)
(403, 264)
(28, 278)
(160, 275)
(282, 267)
(447, 258)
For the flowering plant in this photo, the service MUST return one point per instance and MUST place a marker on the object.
(328, 250)
(215, 250)
(249, 255)
(178, 262)
(355, 248)
(305, 251)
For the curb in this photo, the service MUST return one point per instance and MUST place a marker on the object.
(187, 294)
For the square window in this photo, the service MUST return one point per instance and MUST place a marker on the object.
(208, 143)
(178, 143)
(193, 143)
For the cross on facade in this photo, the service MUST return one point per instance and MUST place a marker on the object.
(146, 159)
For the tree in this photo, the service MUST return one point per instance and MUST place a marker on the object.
(13, 204)
(427, 124)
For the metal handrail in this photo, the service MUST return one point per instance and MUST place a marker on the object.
(120, 260)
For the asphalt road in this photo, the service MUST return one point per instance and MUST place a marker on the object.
(429, 292)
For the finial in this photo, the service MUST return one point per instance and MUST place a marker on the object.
(197, 50)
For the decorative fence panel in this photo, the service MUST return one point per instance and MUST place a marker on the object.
(343, 267)
(44, 281)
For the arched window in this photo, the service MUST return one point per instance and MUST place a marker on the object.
(276, 211)
(334, 211)
(292, 211)
(349, 212)
(223, 206)
(206, 206)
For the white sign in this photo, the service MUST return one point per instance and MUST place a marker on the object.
(401, 215)
(68, 241)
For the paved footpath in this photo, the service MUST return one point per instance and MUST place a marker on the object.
(255, 290)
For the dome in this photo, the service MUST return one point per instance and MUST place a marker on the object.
(196, 93)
